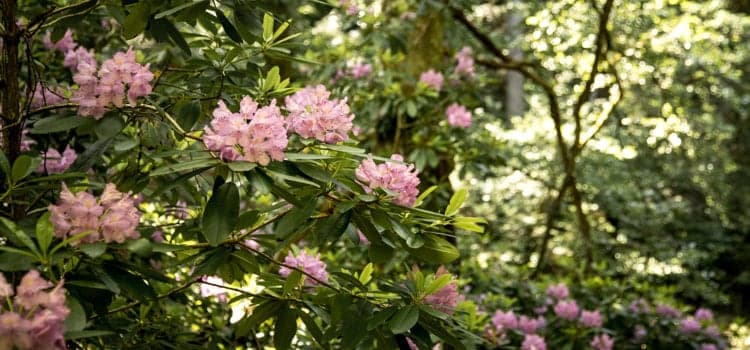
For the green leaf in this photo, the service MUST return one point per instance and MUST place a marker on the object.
(438, 284)
(15, 261)
(285, 328)
(366, 274)
(93, 250)
(4, 164)
(404, 319)
(44, 232)
(292, 281)
(133, 286)
(272, 79)
(435, 250)
(457, 200)
(141, 247)
(136, 20)
(229, 28)
(56, 124)
(305, 156)
(109, 126)
(241, 166)
(21, 168)
(424, 195)
(469, 223)
(267, 27)
(187, 113)
(221, 213)
(260, 313)
(86, 334)
(380, 317)
(295, 218)
(16, 234)
(411, 108)
(76, 320)
(177, 9)
(183, 166)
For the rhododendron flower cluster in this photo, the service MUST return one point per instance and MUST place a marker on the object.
(312, 114)
(65, 44)
(529, 325)
(533, 342)
(35, 319)
(504, 320)
(446, 298)
(255, 135)
(458, 116)
(99, 89)
(591, 318)
(114, 217)
(567, 309)
(44, 96)
(602, 342)
(432, 79)
(74, 54)
(360, 70)
(312, 265)
(400, 179)
(667, 311)
(55, 163)
(558, 291)
(690, 326)
(465, 65)
(703, 314)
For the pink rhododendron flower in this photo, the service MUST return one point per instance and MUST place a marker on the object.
(55, 163)
(558, 291)
(73, 58)
(99, 89)
(708, 347)
(504, 320)
(712, 331)
(433, 79)
(312, 114)
(703, 314)
(308, 263)
(362, 238)
(65, 44)
(360, 70)
(113, 218)
(602, 342)
(36, 318)
(567, 310)
(639, 333)
(411, 344)
(210, 290)
(446, 298)
(591, 318)
(400, 179)
(45, 97)
(465, 65)
(639, 306)
(533, 342)
(458, 116)
(255, 135)
(690, 326)
(667, 311)
(529, 325)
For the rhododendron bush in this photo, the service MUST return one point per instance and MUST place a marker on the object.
(305, 174)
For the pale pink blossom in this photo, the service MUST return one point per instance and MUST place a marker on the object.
(446, 298)
(255, 135)
(708, 347)
(639, 306)
(591, 318)
(529, 325)
(113, 218)
(504, 320)
(667, 311)
(602, 342)
(313, 114)
(533, 342)
(558, 291)
(73, 58)
(360, 70)
(36, 321)
(567, 309)
(432, 79)
(458, 116)
(401, 179)
(65, 44)
(690, 326)
(703, 314)
(362, 238)
(44, 96)
(55, 163)
(312, 265)
(639, 334)
(465, 65)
